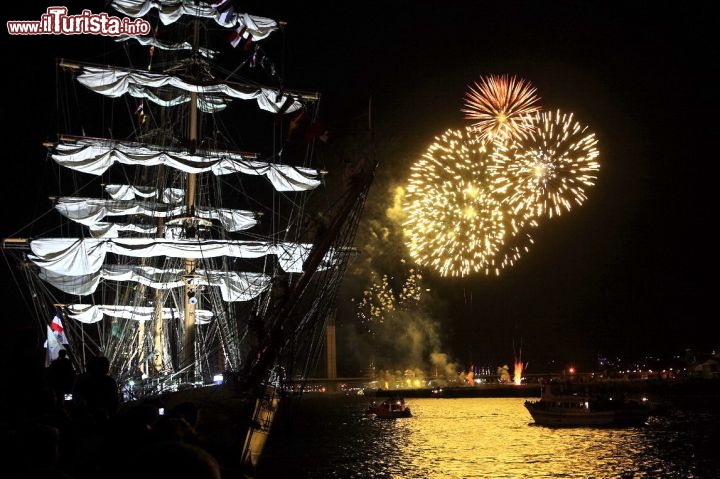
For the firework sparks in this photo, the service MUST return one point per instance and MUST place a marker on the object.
(499, 104)
(456, 223)
(517, 244)
(549, 169)
(411, 292)
(379, 299)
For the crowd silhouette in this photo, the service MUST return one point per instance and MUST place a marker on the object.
(61, 424)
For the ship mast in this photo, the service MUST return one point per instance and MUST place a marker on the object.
(188, 351)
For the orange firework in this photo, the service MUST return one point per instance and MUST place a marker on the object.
(498, 103)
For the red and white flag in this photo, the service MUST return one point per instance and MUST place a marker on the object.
(58, 330)
(237, 36)
(52, 347)
(56, 340)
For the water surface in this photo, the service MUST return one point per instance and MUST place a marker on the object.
(331, 437)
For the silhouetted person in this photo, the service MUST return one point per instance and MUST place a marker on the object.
(164, 459)
(178, 459)
(61, 376)
(175, 428)
(96, 392)
(180, 423)
(188, 411)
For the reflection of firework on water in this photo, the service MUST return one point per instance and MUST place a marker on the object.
(456, 222)
(379, 299)
(550, 168)
(498, 104)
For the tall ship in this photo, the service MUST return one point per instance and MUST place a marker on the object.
(195, 237)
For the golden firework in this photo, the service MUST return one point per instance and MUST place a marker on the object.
(456, 221)
(498, 103)
(549, 169)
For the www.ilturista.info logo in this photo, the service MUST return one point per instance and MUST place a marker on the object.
(56, 21)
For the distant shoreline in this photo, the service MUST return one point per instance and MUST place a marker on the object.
(678, 392)
(484, 390)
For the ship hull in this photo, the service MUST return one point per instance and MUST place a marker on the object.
(576, 415)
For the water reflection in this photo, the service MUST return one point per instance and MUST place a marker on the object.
(482, 438)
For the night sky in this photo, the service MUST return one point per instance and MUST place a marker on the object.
(625, 274)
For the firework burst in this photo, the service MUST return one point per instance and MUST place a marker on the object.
(549, 169)
(498, 104)
(456, 222)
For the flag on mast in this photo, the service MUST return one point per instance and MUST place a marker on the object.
(58, 330)
(56, 339)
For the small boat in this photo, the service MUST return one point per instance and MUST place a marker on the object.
(389, 409)
(575, 409)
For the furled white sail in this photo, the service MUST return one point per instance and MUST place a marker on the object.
(130, 192)
(234, 286)
(117, 82)
(112, 230)
(77, 257)
(206, 103)
(151, 40)
(231, 219)
(170, 11)
(90, 211)
(95, 156)
(88, 314)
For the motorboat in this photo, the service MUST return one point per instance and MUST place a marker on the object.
(390, 408)
(577, 409)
